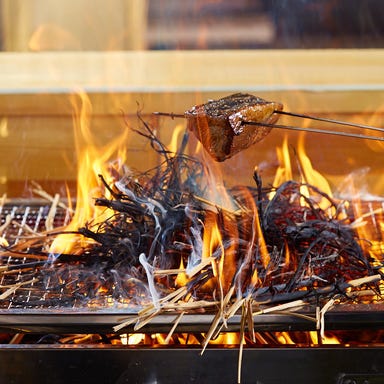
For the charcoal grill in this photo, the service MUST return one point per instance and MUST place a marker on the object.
(36, 114)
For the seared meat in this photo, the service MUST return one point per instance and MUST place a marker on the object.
(220, 124)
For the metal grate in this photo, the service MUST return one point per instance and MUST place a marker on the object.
(23, 285)
(59, 294)
(35, 279)
(28, 215)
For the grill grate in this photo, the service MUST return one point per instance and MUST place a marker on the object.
(28, 217)
(69, 286)
(34, 289)
(35, 279)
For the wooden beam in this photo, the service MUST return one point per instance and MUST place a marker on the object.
(313, 79)
(162, 71)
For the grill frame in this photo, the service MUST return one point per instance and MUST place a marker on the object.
(102, 321)
(107, 365)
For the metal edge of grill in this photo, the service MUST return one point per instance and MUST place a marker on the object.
(101, 321)
(109, 365)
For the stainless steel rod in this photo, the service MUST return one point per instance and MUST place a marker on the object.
(333, 121)
(315, 130)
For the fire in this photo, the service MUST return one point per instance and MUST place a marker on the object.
(312, 176)
(182, 278)
(94, 160)
(284, 338)
(369, 213)
(330, 339)
(227, 338)
(176, 137)
(213, 245)
(307, 173)
(232, 271)
(284, 171)
(256, 241)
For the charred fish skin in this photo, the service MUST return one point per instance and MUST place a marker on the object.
(219, 124)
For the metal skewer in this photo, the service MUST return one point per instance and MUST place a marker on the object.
(312, 130)
(315, 130)
(346, 123)
(170, 114)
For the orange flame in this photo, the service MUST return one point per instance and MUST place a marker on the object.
(308, 174)
(368, 214)
(220, 220)
(181, 278)
(93, 160)
(213, 245)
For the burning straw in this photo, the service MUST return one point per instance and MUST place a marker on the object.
(168, 247)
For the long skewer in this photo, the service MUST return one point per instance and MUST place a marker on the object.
(333, 121)
(170, 114)
(315, 130)
(312, 130)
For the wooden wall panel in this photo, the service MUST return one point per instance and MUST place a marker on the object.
(37, 93)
